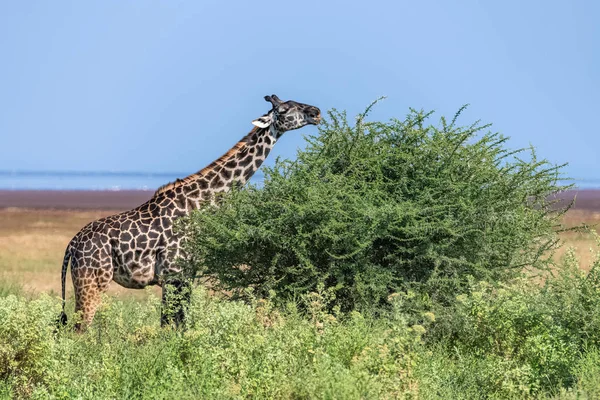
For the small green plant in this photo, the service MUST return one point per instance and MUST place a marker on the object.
(26, 342)
(377, 208)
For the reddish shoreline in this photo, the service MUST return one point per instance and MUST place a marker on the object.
(587, 199)
(74, 199)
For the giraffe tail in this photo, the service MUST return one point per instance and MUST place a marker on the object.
(62, 319)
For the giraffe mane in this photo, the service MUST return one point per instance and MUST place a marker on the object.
(239, 146)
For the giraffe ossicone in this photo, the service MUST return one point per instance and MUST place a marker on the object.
(137, 248)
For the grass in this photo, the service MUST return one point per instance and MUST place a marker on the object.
(580, 241)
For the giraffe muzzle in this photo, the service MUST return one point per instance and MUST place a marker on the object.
(315, 120)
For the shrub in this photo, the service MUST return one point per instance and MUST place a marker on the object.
(549, 333)
(459, 374)
(26, 341)
(230, 350)
(588, 375)
(376, 208)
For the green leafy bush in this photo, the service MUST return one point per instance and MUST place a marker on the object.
(26, 341)
(522, 338)
(376, 208)
(230, 350)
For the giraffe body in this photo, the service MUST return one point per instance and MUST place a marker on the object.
(137, 248)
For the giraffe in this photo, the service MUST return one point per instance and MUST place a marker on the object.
(138, 248)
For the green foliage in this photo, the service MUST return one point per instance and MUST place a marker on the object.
(522, 339)
(587, 371)
(26, 342)
(377, 208)
(517, 340)
(230, 350)
(454, 374)
(10, 288)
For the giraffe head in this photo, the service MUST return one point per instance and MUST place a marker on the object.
(287, 115)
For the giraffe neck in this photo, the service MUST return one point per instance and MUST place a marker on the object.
(234, 167)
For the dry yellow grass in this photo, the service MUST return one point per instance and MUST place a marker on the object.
(32, 244)
(582, 242)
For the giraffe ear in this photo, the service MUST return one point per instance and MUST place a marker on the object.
(263, 122)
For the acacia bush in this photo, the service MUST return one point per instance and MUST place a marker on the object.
(374, 208)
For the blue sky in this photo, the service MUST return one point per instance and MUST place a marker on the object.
(164, 86)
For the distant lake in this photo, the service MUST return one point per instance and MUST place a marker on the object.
(57, 180)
